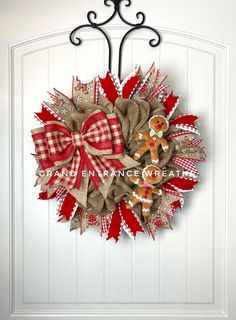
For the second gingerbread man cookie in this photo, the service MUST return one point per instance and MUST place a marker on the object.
(153, 139)
(143, 194)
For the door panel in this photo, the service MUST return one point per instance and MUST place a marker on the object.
(60, 272)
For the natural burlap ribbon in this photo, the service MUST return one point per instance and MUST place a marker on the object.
(133, 116)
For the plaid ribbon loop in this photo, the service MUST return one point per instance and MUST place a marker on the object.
(97, 147)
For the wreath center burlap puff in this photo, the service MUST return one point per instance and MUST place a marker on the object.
(133, 116)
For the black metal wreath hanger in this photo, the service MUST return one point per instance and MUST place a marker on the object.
(92, 16)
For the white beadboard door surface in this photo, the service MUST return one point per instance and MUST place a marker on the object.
(48, 272)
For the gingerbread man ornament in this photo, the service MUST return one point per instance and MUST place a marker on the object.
(153, 139)
(143, 194)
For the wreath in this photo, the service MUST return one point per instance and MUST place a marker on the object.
(117, 155)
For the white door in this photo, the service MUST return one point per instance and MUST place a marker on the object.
(48, 272)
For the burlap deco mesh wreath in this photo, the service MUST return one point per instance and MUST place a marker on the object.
(117, 156)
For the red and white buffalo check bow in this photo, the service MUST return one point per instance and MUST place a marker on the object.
(98, 147)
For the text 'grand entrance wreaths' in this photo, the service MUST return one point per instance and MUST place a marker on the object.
(117, 154)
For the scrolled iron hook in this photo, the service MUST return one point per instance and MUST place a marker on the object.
(92, 16)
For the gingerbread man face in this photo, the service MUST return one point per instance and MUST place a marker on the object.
(158, 123)
(151, 174)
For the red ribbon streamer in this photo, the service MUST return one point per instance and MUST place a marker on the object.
(170, 104)
(67, 206)
(126, 216)
(115, 226)
(45, 115)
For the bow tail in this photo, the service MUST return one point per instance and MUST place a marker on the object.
(102, 165)
(79, 173)
(94, 169)
(116, 164)
(69, 176)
